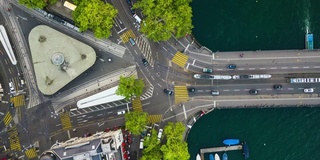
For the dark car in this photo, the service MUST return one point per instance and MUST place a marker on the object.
(166, 91)
(132, 10)
(277, 87)
(191, 90)
(11, 105)
(253, 91)
(231, 66)
(145, 62)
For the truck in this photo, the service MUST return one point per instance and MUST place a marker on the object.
(304, 80)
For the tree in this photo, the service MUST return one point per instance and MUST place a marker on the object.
(136, 121)
(36, 3)
(95, 15)
(165, 17)
(130, 86)
(151, 147)
(175, 148)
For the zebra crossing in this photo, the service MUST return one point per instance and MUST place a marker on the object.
(181, 94)
(155, 118)
(65, 120)
(144, 46)
(180, 59)
(147, 94)
(136, 104)
(14, 139)
(31, 153)
(7, 119)
(18, 101)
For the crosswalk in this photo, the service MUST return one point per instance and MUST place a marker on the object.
(144, 46)
(7, 118)
(180, 59)
(31, 153)
(18, 101)
(154, 118)
(127, 35)
(181, 94)
(14, 139)
(147, 94)
(136, 104)
(65, 120)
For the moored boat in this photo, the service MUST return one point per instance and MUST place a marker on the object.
(230, 142)
(198, 157)
(211, 157)
(224, 156)
(245, 150)
(216, 157)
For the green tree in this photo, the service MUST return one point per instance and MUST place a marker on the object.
(175, 148)
(151, 147)
(95, 15)
(165, 17)
(36, 3)
(130, 86)
(136, 121)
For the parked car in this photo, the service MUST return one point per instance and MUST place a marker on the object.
(215, 93)
(160, 134)
(145, 62)
(277, 87)
(206, 70)
(141, 144)
(191, 90)
(308, 90)
(121, 112)
(231, 66)
(168, 92)
(253, 91)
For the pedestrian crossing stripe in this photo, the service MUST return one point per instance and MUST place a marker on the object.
(180, 59)
(18, 101)
(7, 119)
(65, 120)
(181, 94)
(155, 118)
(31, 153)
(14, 139)
(127, 35)
(136, 104)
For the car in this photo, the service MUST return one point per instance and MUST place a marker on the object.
(11, 86)
(215, 93)
(168, 92)
(191, 90)
(141, 144)
(253, 91)
(145, 62)
(277, 87)
(206, 70)
(231, 66)
(160, 134)
(121, 112)
(308, 90)
(132, 42)
(11, 105)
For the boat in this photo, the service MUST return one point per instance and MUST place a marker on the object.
(198, 157)
(245, 150)
(224, 156)
(216, 157)
(211, 157)
(230, 142)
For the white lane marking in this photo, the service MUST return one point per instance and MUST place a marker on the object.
(284, 67)
(316, 66)
(152, 77)
(295, 67)
(226, 90)
(219, 69)
(262, 68)
(251, 68)
(187, 66)
(100, 115)
(165, 49)
(58, 125)
(135, 52)
(79, 119)
(145, 104)
(241, 69)
(200, 90)
(193, 62)
(90, 117)
(208, 90)
(268, 89)
(306, 67)
(273, 68)
(290, 88)
(236, 90)
(159, 85)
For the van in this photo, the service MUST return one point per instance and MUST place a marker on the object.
(132, 42)
(141, 144)
(215, 93)
(138, 19)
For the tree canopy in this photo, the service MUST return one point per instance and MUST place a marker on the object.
(165, 17)
(130, 86)
(95, 15)
(151, 147)
(136, 122)
(36, 3)
(175, 148)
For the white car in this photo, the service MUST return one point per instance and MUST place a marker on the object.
(121, 112)
(308, 90)
(160, 134)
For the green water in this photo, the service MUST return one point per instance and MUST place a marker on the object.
(233, 25)
(277, 134)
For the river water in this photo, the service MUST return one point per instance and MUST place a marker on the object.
(234, 25)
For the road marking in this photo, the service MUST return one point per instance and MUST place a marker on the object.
(251, 68)
(306, 67)
(268, 89)
(200, 90)
(159, 85)
(237, 90)
(145, 104)
(295, 67)
(290, 88)
(241, 69)
(273, 68)
(226, 90)
(193, 62)
(135, 52)
(90, 117)
(262, 68)
(316, 66)
(284, 67)
(58, 125)
(187, 66)
(219, 69)
(69, 134)
(165, 49)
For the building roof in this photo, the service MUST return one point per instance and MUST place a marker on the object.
(57, 58)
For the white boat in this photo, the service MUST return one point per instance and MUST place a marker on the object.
(216, 157)
(198, 157)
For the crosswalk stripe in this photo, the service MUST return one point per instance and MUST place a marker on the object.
(7, 118)
(14, 139)
(65, 120)
(154, 118)
(31, 153)
(180, 59)
(181, 94)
